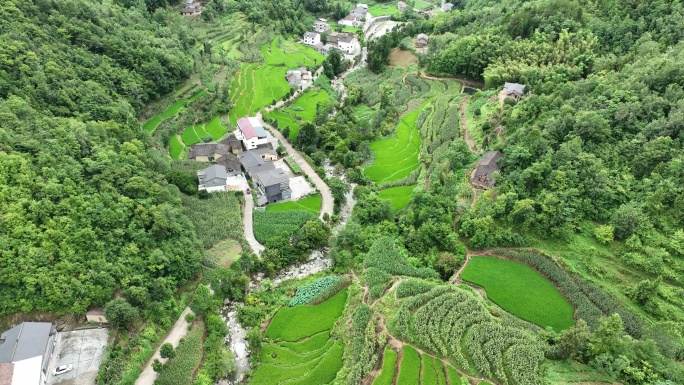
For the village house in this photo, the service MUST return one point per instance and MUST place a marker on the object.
(251, 132)
(233, 143)
(298, 77)
(321, 26)
(252, 163)
(514, 91)
(447, 7)
(216, 178)
(273, 185)
(356, 17)
(208, 152)
(191, 8)
(402, 6)
(483, 175)
(342, 41)
(312, 38)
(422, 40)
(25, 352)
(230, 162)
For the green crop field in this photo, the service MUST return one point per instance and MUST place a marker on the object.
(453, 375)
(384, 9)
(181, 368)
(520, 290)
(293, 165)
(396, 157)
(399, 197)
(409, 369)
(259, 84)
(172, 110)
(428, 373)
(268, 224)
(215, 128)
(303, 109)
(387, 374)
(312, 203)
(295, 323)
(439, 368)
(175, 147)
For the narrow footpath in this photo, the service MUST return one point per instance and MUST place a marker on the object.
(248, 226)
(179, 330)
(327, 198)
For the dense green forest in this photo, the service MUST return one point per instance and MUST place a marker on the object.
(85, 209)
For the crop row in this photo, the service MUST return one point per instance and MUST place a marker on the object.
(305, 293)
(181, 368)
(269, 224)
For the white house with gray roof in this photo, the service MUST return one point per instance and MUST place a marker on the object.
(216, 178)
(25, 352)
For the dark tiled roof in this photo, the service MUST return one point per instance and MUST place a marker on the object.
(272, 177)
(486, 167)
(229, 161)
(215, 171)
(206, 149)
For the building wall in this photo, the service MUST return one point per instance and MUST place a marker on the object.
(312, 40)
(212, 189)
(252, 143)
(273, 193)
(202, 158)
(96, 318)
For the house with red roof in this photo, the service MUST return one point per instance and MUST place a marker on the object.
(251, 132)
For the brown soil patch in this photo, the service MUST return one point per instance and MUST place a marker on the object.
(399, 58)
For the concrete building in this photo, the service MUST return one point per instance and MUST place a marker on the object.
(25, 352)
(251, 132)
(273, 185)
(312, 38)
(216, 178)
(321, 26)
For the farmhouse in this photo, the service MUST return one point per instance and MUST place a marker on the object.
(321, 26)
(233, 143)
(447, 7)
(208, 152)
(252, 163)
(191, 8)
(342, 41)
(402, 6)
(422, 40)
(251, 132)
(216, 178)
(230, 162)
(482, 176)
(356, 17)
(293, 77)
(273, 186)
(96, 314)
(312, 38)
(25, 352)
(514, 91)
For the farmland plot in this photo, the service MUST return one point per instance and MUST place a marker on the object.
(269, 224)
(399, 197)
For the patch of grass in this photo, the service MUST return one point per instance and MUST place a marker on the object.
(295, 323)
(215, 128)
(454, 377)
(175, 147)
(302, 110)
(439, 368)
(521, 290)
(293, 165)
(363, 113)
(396, 157)
(225, 252)
(216, 218)
(409, 370)
(181, 368)
(422, 4)
(384, 9)
(399, 197)
(269, 224)
(307, 345)
(388, 363)
(312, 203)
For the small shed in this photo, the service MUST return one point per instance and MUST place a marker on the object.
(96, 314)
(514, 90)
(422, 40)
(482, 176)
(401, 6)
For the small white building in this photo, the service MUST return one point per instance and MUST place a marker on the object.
(402, 6)
(251, 132)
(447, 7)
(215, 178)
(321, 26)
(312, 38)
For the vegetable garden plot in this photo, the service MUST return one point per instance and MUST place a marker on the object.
(520, 290)
(269, 224)
(312, 204)
(409, 369)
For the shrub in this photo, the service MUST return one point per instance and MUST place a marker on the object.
(411, 287)
(157, 366)
(207, 139)
(120, 313)
(167, 351)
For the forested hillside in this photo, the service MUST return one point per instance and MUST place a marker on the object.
(84, 208)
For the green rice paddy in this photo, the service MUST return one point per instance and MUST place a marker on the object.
(302, 110)
(172, 110)
(396, 157)
(387, 374)
(520, 290)
(193, 134)
(295, 323)
(428, 373)
(384, 9)
(312, 204)
(399, 197)
(409, 370)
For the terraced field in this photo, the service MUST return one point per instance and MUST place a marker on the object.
(302, 110)
(172, 110)
(521, 290)
(194, 134)
(259, 84)
(301, 351)
(399, 197)
(416, 368)
(396, 157)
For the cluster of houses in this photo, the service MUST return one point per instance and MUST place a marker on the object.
(342, 41)
(191, 8)
(247, 153)
(356, 17)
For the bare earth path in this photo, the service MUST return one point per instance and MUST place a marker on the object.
(248, 226)
(327, 198)
(179, 330)
(464, 126)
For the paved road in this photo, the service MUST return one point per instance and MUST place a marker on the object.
(180, 329)
(248, 228)
(327, 198)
